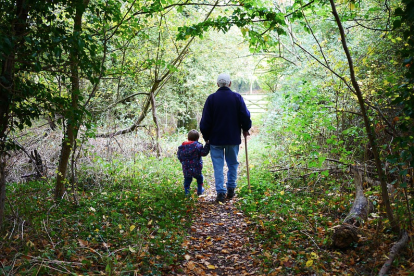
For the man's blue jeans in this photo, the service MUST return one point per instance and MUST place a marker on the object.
(189, 179)
(218, 154)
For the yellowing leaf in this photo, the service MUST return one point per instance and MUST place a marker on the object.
(211, 266)
(244, 30)
(282, 192)
(150, 222)
(131, 228)
(132, 249)
(119, 226)
(30, 243)
(261, 223)
(309, 263)
(314, 256)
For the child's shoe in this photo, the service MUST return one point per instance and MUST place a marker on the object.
(202, 191)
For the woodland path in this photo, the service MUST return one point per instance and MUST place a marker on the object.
(220, 241)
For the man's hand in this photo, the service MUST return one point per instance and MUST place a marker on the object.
(246, 133)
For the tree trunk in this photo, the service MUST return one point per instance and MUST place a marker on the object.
(6, 93)
(370, 133)
(2, 186)
(347, 233)
(155, 118)
(72, 123)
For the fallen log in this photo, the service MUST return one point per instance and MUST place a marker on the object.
(347, 233)
(395, 250)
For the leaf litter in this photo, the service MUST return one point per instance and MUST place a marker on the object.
(220, 241)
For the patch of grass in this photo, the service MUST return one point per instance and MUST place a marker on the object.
(133, 220)
(294, 220)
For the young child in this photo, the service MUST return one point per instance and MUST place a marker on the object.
(189, 154)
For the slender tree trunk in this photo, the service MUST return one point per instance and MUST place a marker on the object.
(6, 94)
(5, 101)
(155, 118)
(2, 186)
(72, 123)
(370, 133)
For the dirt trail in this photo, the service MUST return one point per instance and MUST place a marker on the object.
(219, 242)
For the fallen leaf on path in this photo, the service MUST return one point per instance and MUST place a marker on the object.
(191, 265)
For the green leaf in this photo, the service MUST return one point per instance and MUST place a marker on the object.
(396, 24)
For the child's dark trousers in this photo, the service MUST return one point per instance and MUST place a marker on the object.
(189, 179)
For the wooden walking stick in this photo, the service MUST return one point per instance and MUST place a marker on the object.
(247, 162)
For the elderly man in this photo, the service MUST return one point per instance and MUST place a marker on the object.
(225, 116)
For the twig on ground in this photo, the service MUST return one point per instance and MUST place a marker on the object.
(310, 239)
(395, 250)
(56, 261)
(47, 232)
(40, 266)
(23, 228)
(14, 225)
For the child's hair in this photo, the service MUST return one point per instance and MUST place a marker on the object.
(193, 135)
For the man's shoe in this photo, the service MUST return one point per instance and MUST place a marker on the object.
(230, 193)
(221, 197)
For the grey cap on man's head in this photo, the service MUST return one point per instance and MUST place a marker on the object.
(223, 79)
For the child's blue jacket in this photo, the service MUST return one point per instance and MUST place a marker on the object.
(189, 154)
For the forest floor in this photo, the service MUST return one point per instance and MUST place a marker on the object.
(131, 217)
(219, 242)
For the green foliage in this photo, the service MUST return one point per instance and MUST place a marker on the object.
(245, 18)
(135, 219)
(283, 212)
(25, 94)
(293, 218)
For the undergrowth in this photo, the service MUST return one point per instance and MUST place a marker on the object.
(294, 220)
(132, 221)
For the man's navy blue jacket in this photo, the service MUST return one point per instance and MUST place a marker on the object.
(224, 116)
